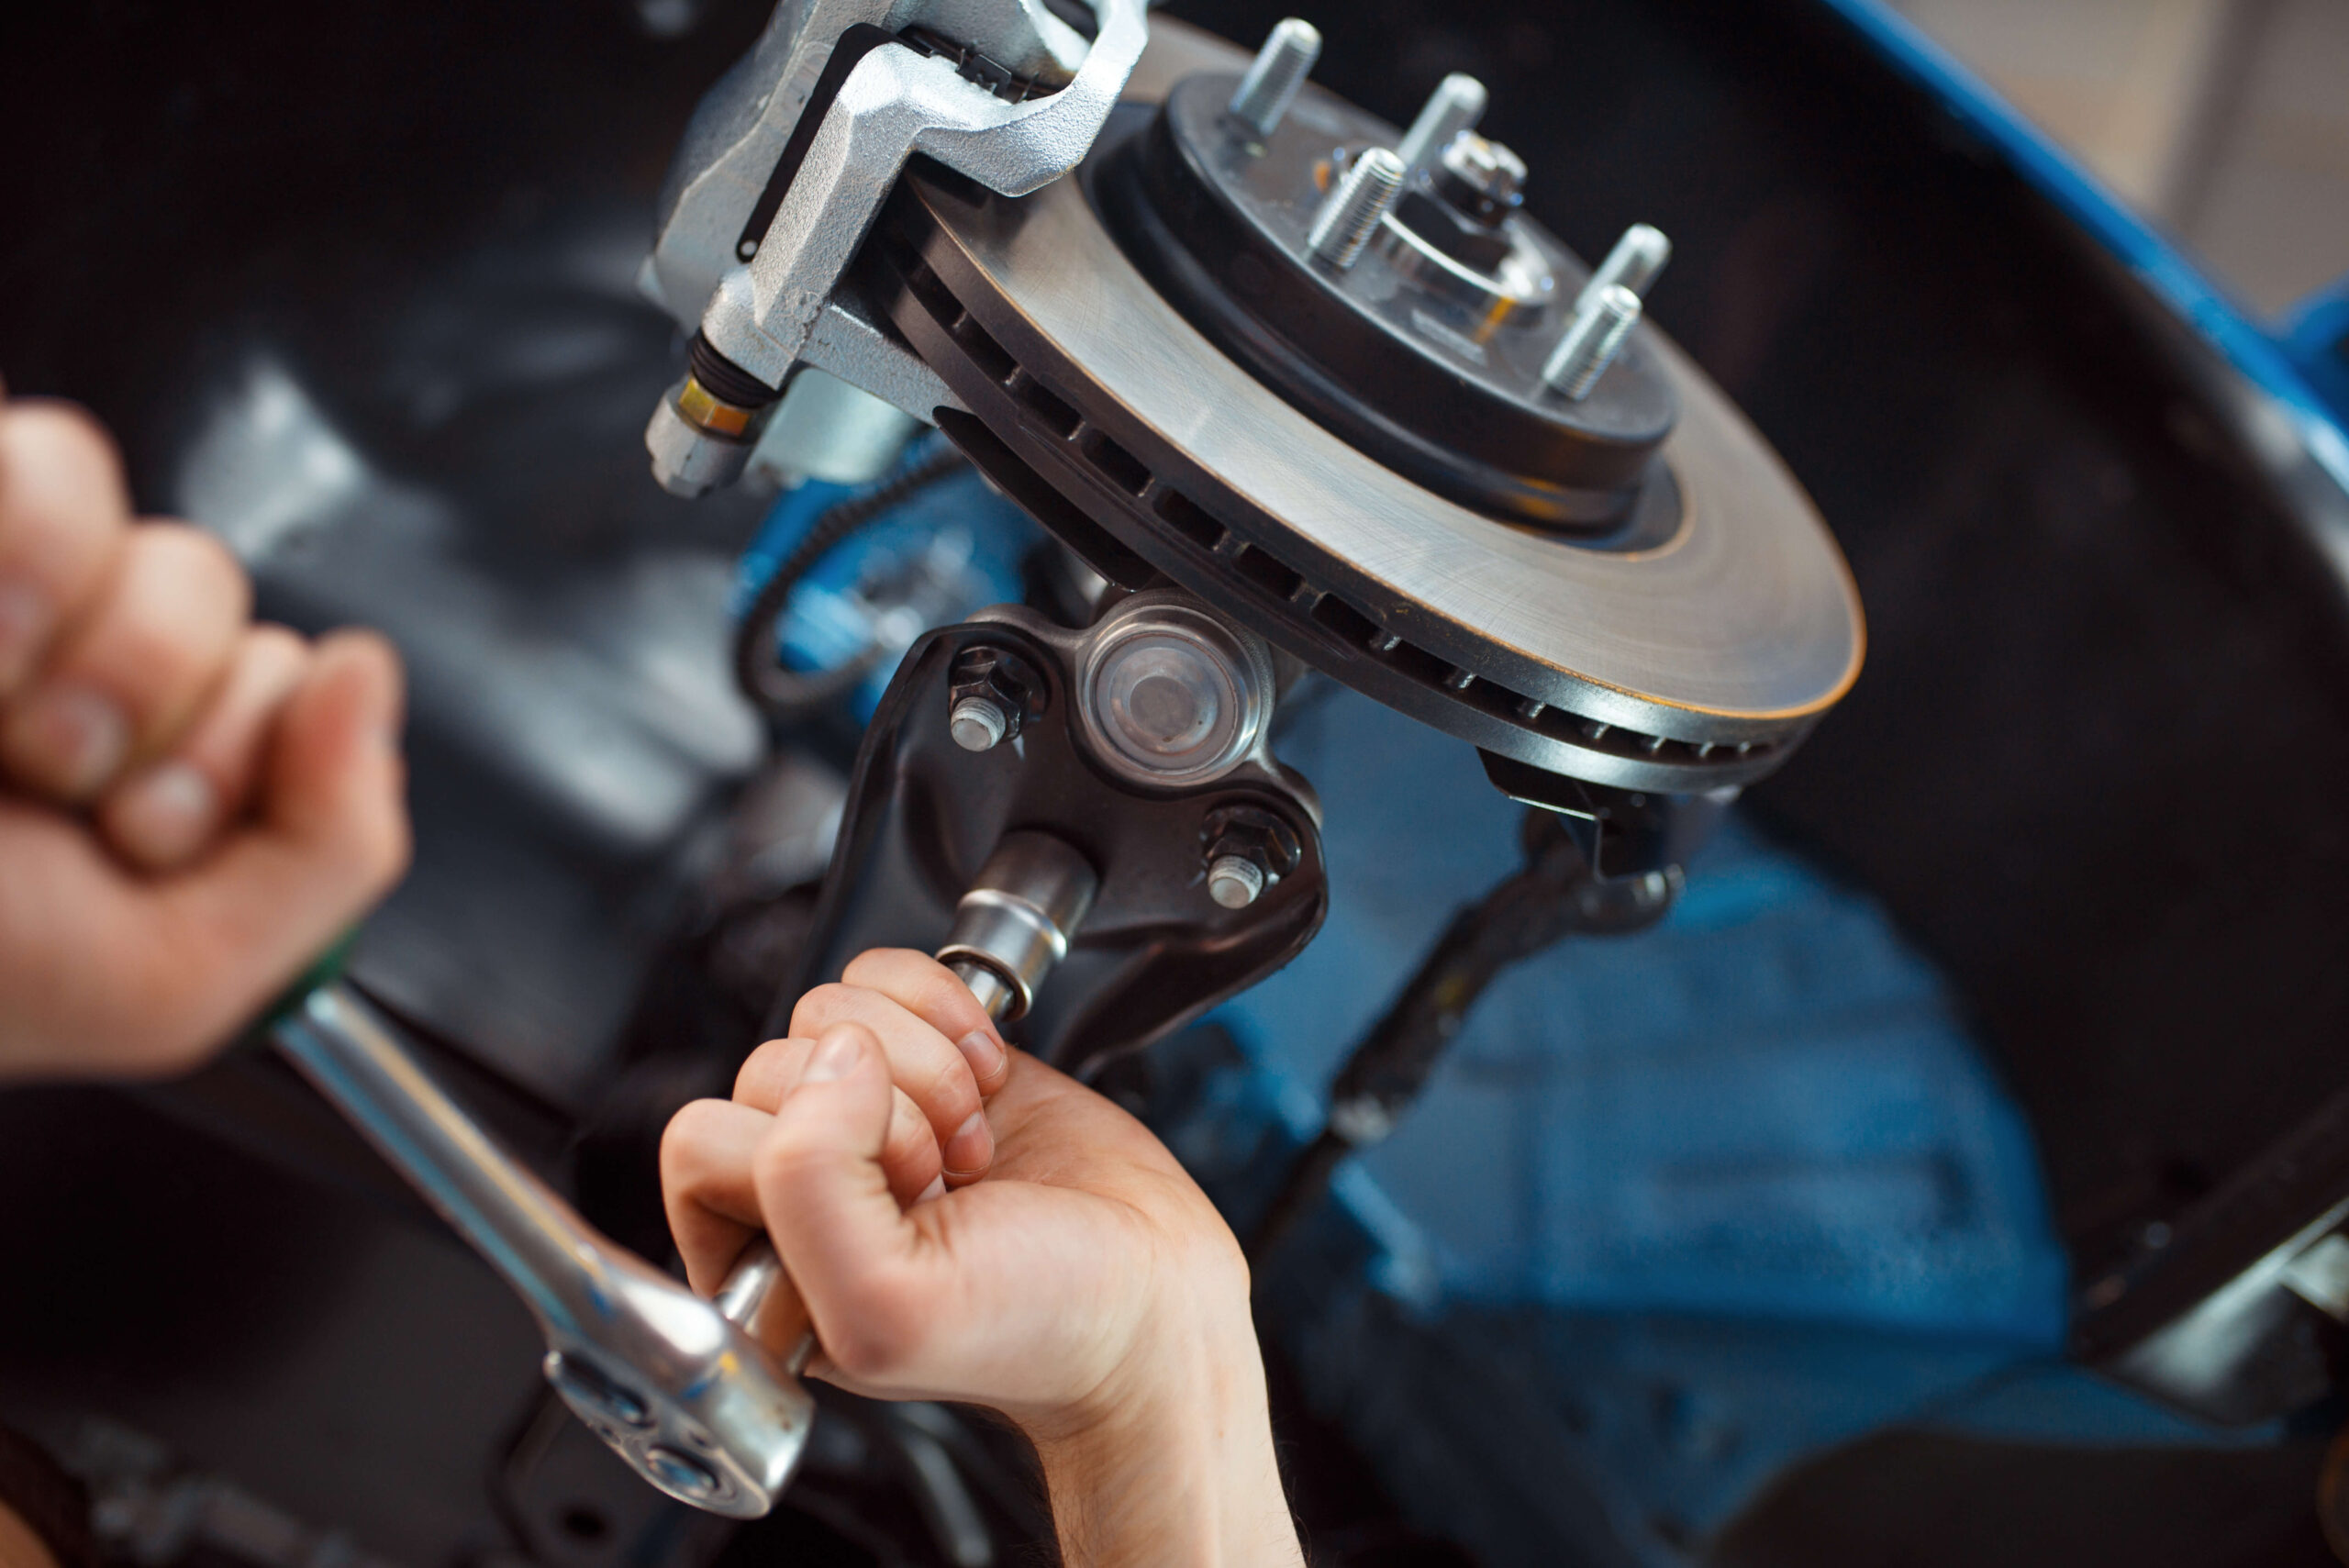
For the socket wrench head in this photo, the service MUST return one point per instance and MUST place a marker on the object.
(690, 1399)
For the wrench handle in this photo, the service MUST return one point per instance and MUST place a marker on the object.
(356, 1059)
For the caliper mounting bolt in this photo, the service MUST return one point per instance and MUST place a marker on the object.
(1247, 849)
(992, 693)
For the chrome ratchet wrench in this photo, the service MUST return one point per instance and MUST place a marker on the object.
(684, 1389)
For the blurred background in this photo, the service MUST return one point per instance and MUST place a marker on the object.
(2225, 121)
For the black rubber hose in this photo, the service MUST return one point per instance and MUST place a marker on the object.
(1557, 894)
(786, 693)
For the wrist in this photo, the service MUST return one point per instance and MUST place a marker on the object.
(1171, 1461)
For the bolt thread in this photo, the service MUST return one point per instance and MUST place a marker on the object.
(1592, 341)
(1352, 211)
(1275, 74)
(1456, 104)
(1235, 881)
(1633, 264)
(978, 724)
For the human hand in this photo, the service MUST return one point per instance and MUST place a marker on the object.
(1085, 1288)
(192, 807)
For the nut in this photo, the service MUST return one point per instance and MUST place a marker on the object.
(992, 694)
(1246, 848)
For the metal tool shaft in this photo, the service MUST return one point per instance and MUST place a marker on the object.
(683, 1389)
(347, 1050)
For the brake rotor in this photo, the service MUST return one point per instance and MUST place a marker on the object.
(1598, 590)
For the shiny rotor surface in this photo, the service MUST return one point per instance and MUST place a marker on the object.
(1739, 630)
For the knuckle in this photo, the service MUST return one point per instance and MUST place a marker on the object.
(760, 1067)
(68, 430)
(872, 965)
(202, 568)
(952, 1095)
(821, 1007)
(784, 1160)
(275, 648)
(681, 1142)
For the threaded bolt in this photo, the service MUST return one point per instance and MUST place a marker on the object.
(1275, 74)
(1593, 338)
(1235, 881)
(1456, 104)
(1634, 262)
(978, 724)
(1352, 211)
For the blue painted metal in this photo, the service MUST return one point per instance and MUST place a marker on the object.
(2316, 337)
(948, 550)
(1753, 1156)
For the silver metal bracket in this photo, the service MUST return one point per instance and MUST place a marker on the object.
(763, 299)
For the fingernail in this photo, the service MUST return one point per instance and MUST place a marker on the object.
(68, 740)
(983, 1052)
(972, 1149)
(164, 815)
(835, 1057)
(23, 619)
(937, 1189)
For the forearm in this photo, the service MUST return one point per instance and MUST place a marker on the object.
(1177, 1469)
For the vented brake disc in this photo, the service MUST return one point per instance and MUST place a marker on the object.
(1366, 465)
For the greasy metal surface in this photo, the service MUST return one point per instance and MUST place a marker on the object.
(1744, 627)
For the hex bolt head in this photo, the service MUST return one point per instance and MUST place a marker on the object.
(1235, 881)
(978, 723)
(1275, 74)
(990, 694)
(1247, 849)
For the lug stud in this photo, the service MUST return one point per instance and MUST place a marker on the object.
(1352, 211)
(1456, 104)
(1633, 264)
(1593, 338)
(1275, 76)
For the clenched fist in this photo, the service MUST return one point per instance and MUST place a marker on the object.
(192, 806)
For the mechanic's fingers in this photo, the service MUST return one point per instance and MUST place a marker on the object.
(921, 1062)
(708, 1187)
(164, 815)
(912, 1158)
(63, 514)
(859, 1262)
(330, 839)
(932, 992)
(128, 674)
